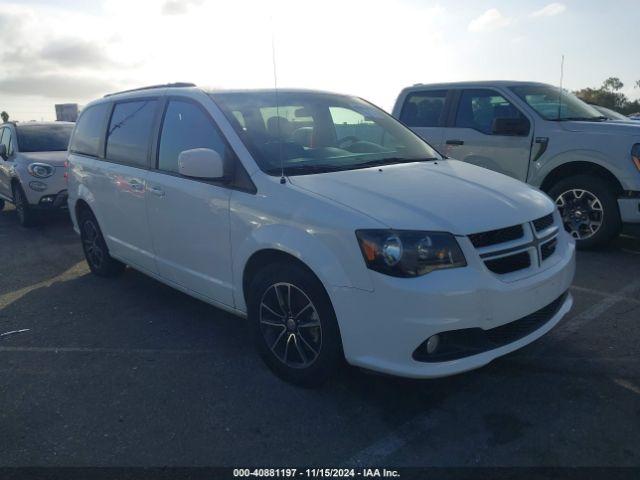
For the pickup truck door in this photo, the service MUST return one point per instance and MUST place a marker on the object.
(425, 112)
(472, 134)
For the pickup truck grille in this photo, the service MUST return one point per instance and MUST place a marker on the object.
(518, 248)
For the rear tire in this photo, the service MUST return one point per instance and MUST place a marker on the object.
(589, 209)
(1, 204)
(294, 325)
(95, 249)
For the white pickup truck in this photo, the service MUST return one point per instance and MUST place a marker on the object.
(589, 165)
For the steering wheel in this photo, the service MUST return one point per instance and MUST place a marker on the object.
(347, 141)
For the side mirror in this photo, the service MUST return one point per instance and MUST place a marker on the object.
(201, 163)
(518, 127)
(3, 152)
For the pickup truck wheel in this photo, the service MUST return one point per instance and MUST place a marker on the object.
(26, 214)
(95, 248)
(294, 325)
(589, 209)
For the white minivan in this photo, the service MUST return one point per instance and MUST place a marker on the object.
(541, 135)
(337, 231)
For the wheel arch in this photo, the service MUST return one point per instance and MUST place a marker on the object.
(580, 168)
(269, 256)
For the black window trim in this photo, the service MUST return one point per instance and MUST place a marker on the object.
(101, 138)
(443, 114)
(236, 169)
(103, 147)
(451, 121)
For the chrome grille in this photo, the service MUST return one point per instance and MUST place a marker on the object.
(493, 237)
(543, 223)
(518, 248)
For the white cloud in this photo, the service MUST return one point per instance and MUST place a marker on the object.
(489, 21)
(550, 10)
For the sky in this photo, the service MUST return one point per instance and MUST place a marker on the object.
(73, 51)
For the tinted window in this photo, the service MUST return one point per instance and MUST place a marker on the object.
(89, 130)
(129, 132)
(43, 138)
(6, 140)
(186, 127)
(423, 109)
(479, 108)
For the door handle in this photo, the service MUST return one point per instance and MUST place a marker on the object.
(136, 185)
(157, 191)
(455, 142)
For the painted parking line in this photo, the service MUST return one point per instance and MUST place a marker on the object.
(576, 323)
(628, 385)
(69, 274)
(600, 293)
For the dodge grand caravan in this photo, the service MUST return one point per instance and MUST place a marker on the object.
(589, 165)
(32, 157)
(337, 231)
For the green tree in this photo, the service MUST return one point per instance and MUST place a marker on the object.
(612, 84)
(5, 116)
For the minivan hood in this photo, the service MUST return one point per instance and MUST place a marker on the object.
(55, 159)
(447, 195)
(607, 128)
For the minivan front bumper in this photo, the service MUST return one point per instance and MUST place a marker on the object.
(381, 330)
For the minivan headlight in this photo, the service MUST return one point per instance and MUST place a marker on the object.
(635, 155)
(40, 170)
(409, 253)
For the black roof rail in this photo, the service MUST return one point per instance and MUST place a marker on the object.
(165, 85)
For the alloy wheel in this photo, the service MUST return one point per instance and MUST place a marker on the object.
(20, 205)
(290, 325)
(91, 243)
(581, 211)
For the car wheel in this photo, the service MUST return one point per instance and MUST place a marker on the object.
(26, 214)
(1, 204)
(294, 325)
(95, 248)
(589, 209)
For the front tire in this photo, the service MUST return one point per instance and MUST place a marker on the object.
(294, 325)
(95, 249)
(26, 214)
(589, 209)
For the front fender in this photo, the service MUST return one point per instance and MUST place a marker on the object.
(543, 168)
(341, 268)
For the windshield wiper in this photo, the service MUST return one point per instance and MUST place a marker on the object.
(305, 169)
(600, 118)
(390, 161)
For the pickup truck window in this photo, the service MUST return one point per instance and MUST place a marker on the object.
(423, 109)
(479, 108)
(546, 100)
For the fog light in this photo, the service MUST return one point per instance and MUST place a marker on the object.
(432, 344)
(38, 186)
(47, 199)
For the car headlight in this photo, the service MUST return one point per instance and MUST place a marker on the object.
(409, 253)
(635, 155)
(40, 170)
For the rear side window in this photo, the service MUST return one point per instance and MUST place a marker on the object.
(89, 130)
(423, 109)
(479, 108)
(186, 127)
(130, 131)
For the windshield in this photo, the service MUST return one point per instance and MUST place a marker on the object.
(546, 100)
(316, 132)
(610, 114)
(43, 138)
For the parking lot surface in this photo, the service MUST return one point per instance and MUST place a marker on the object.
(129, 372)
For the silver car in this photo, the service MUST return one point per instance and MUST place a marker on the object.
(32, 158)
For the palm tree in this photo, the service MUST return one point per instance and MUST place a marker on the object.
(5, 116)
